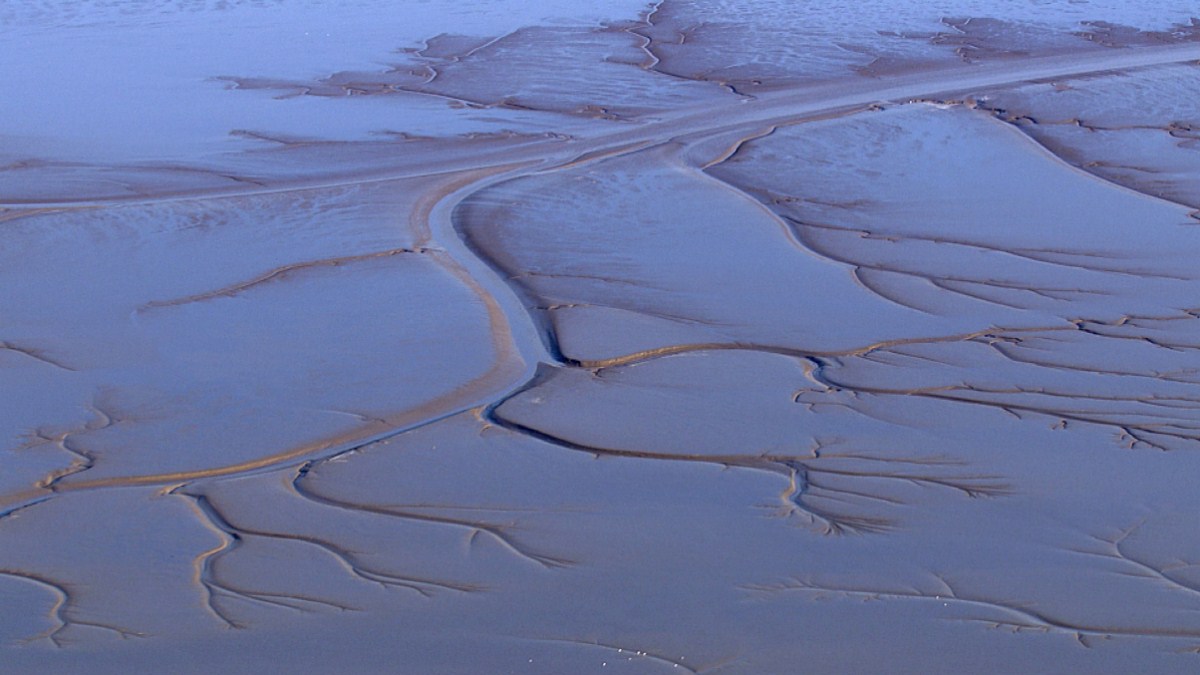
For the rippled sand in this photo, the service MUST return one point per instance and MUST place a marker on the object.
(707, 337)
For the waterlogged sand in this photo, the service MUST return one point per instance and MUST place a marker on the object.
(700, 337)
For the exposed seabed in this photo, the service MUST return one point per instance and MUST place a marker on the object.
(881, 357)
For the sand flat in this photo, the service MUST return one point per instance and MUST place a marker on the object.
(697, 337)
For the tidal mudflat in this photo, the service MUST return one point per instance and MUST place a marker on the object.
(700, 336)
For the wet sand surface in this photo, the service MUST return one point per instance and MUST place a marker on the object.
(701, 337)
